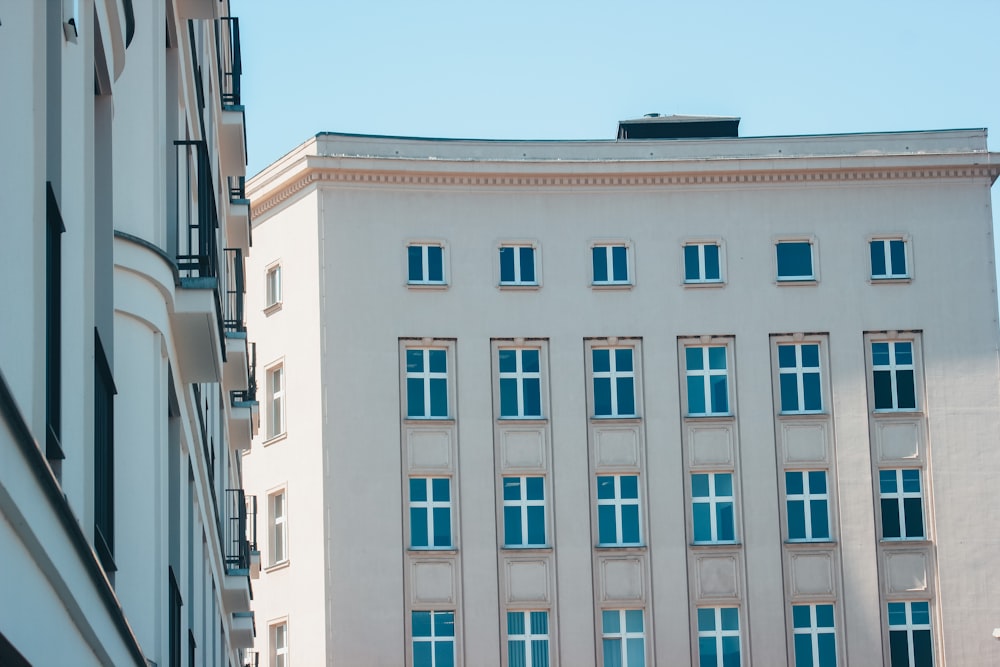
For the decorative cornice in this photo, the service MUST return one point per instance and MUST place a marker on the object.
(610, 180)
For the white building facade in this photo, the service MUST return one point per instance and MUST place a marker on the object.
(126, 380)
(679, 398)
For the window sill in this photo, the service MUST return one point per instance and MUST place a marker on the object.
(438, 421)
(884, 413)
(280, 565)
(795, 282)
(434, 287)
(707, 284)
(519, 287)
(432, 551)
(615, 548)
(616, 419)
(891, 280)
(522, 421)
(714, 546)
(275, 438)
(727, 417)
(527, 550)
(273, 308)
(601, 287)
(905, 541)
(810, 543)
(803, 416)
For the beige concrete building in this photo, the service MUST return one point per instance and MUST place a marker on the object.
(676, 398)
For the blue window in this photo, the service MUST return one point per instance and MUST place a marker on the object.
(713, 507)
(893, 382)
(799, 378)
(425, 264)
(430, 513)
(517, 265)
(614, 382)
(808, 505)
(707, 380)
(910, 635)
(427, 383)
(814, 636)
(433, 638)
(520, 383)
(618, 510)
(888, 259)
(795, 260)
(701, 263)
(623, 638)
(524, 511)
(719, 637)
(528, 638)
(902, 504)
(611, 265)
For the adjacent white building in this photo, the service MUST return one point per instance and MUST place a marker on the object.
(676, 398)
(126, 381)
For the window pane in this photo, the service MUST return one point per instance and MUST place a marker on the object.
(897, 613)
(921, 612)
(880, 354)
(803, 651)
(444, 654)
(418, 527)
(623, 359)
(415, 263)
(913, 513)
(897, 254)
(507, 360)
(882, 386)
(911, 480)
(824, 615)
(800, 616)
(922, 654)
(817, 481)
(827, 649)
(789, 392)
(619, 255)
(904, 353)
(512, 488)
(536, 526)
(506, 265)
(414, 361)
(612, 652)
(724, 522)
(512, 526)
(706, 652)
(442, 527)
(899, 650)
(626, 396)
(712, 263)
(905, 395)
(539, 622)
(633, 620)
(515, 653)
(418, 489)
(527, 265)
(696, 395)
(441, 489)
(438, 361)
(796, 520)
(630, 524)
(444, 624)
(605, 487)
(610, 622)
(720, 394)
(793, 482)
(602, 397)
(795, 260)
(602, 360)
(636, 652)
(887, 481)
(439, 398)
(532, 397)
(731, 652)
(699, 486)
(812, 391)
(435, 264)
(606, 527)
(508, 397)
(691, 267)
(890, 518)
(629, 485)
(702, 522)
(786, 356)
(536, 488)
(515, 623)
(730, 618)
(600, 258)
(820, 519)
(529, 360)
(878, 258)
(422, 654)
(717, 358)
(810, 356)
(694, 358)
(723, 484)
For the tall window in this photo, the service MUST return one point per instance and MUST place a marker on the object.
(273, 286)
(614, 382)
(719, 637)
(425, 264)
(427, 383)
(524, 511)
(611, 265)
(623, 638)
(795, 260)
(517, 265)
(814, 636)
(528, 638)
(893, 375)
(799, 378)
(430, 513)
(707, 380)
(104, 457)
(279, 645)
(902, 502)
(618, 510)
(808, 505)
(279, 534)
(712, 506)
(701, 263)
(275, 401)
(433, 638)
(888, 259)
(910, 635)
(520, 383)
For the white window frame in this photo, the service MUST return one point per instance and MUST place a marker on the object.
(272, 287)
(528, 637)
(518, 282)
(706, 373)
(718, 633)
(429, 506)
(893, 368)
(277, 527)
(806, 498)
(800, 371)
(702, 280)
(899, 495)
(276, 428)
(618, 503)
(814, 631)
(424, 281)
(890, 277)
(623, 634)
(522, 505)
(433, 639)
(813, 256)
(426, 375)
(712, 500)
(613, 375)
(519, 376)
(608, 245)
(278, 656)
(909, 627)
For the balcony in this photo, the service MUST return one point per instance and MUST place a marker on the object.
(238, 232)
(232, 137)
(235, 371)
(244, 415)
(244, 630)
(236, 547)
(250, 659)
(198, 312)
(198, 9)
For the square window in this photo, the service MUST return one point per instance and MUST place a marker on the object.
(623, 637)
(718, 637)
(799, 378)
(902, 504)
(888, 258)
(702, 263)
(425, 264)
(433, 638)
(618, 522)
(517, 265)
(275, 401)
(524, 512)
(430, 513)
(613, 374)
(795, 260)
(426, 383)
(707, 380)
(528, 638)
(893, 376)
(520, 383)
(278, 533)
(278, 635)
(611, 264)
(814, 635)
(910, 634)
(713, 508)
(808, 505)
(272, 292)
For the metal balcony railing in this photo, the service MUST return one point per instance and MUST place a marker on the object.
(236, 546)
(235, 291)
(251, 659)
(230, 59)
(197, 214)
(248, 395)
(237, 188)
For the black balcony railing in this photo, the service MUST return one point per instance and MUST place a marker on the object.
(248, 395)
(232, 305)
(230, 60)
(237, 188)
(197, 215)
(252, 522)
(251, 659)
(236, 546)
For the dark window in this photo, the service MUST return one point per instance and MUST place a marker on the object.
(104, 461)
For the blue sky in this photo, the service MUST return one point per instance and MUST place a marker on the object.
(570, 70)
